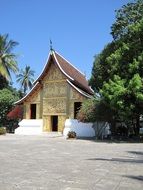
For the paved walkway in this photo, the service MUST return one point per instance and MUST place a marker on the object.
(53, 163)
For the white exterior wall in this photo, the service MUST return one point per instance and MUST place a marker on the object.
(81, 129)
(30, 127)
(86, 129)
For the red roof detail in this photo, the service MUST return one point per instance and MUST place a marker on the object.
(16, 113)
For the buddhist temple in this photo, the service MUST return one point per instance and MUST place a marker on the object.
(57, 93)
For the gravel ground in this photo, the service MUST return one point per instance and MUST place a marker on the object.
(54, 163)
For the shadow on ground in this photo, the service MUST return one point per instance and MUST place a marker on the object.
(136, 152)
(123, 160)
(130, 141)
(140, 178)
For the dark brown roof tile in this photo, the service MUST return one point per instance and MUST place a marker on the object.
(69, 69)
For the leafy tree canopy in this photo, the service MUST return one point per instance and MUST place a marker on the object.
(3, 82)
(127, 16)
(117, 73)
(7, 98)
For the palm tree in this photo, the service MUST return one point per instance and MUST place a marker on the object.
(8, 61)
(26, 78)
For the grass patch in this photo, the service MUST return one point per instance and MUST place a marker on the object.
(2, 130)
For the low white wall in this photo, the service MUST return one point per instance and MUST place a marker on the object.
(81, 129)
(29, 127)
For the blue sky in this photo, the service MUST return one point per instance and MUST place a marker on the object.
(79, 29)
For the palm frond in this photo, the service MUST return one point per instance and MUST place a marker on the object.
(25, 78)
(8, 61)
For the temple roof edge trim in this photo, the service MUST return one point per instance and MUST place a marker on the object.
(22, 99)
(61, 68)
(79, 90)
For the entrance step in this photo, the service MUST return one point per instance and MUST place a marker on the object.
(53, 134)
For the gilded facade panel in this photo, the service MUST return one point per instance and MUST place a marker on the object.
(38, 111)
(74, 97)
(54, 92)
(54, 106)
(61, 123)
(35, 98)
(46, 123)
(54, 74)
(55, 89)
(71, 109)
(27, 111)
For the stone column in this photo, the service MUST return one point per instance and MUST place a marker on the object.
(46, 123)
(27, 114)
(61, 122)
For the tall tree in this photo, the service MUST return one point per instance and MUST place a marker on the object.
(128, 15)
(118, 71)
(26, 78)
(8, 61)
(7, 98)
(101, 70)
(3, 82)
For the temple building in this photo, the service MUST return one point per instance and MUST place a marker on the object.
(57, 93)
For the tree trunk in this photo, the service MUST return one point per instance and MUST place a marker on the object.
(137, 129)
(113, 127)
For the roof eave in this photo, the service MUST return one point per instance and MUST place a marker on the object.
(79, 90)
(88, 90)
(58, 64)
(30, 92)
(45, 66)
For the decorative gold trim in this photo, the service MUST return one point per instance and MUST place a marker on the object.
(60, 97)
(51, 114)
(54, 81)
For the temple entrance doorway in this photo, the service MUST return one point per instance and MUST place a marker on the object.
(54, 119)
(77, 106)
(33, 111)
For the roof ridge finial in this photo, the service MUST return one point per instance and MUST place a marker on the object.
(51, 46)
